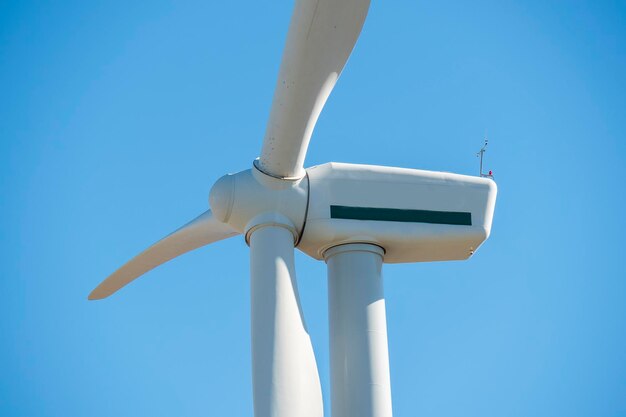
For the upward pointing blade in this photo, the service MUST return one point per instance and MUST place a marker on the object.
(321, 36)
(201, 231)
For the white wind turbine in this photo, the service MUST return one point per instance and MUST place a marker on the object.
(355, 217)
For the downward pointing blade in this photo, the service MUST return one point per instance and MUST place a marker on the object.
(285, 380)
(201, 231)
(321, 36)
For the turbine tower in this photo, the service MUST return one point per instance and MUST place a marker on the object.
(354, 217)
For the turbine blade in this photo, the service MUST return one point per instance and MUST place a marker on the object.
(321, 36)
(285, 379)
(201, 231)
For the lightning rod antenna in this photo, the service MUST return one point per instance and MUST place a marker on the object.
(481, 154)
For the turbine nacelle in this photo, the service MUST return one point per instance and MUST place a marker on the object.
(414, 215)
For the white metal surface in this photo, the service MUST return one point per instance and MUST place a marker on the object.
(284, 372)
(380, 189)
(321, 36)
(239, 199)
(201, 231)
(359, 358)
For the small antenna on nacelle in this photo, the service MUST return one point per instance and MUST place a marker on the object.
(480, 154)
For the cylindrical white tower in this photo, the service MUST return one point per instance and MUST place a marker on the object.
(359, 357)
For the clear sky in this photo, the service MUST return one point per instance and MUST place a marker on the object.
(116, 118)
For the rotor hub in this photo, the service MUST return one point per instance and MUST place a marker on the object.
(249, 199)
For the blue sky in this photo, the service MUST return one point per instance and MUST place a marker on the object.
(116, 118)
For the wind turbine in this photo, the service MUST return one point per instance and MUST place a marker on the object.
(354, 217)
